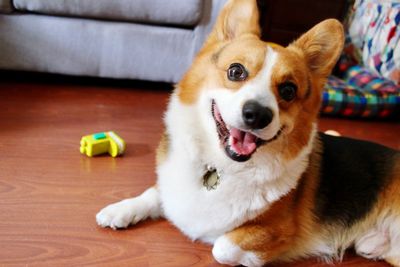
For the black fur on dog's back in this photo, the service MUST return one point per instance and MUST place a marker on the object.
(352, 174)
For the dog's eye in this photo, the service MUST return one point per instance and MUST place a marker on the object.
(287, 91)
(237, 72)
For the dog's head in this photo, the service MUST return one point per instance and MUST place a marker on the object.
(260, 95)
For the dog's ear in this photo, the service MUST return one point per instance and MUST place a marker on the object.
(321, 46)
(238, 17)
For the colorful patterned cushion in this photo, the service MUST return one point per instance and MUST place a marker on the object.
(361, 94)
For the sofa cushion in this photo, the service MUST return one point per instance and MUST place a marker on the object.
(5, 6)
(177, 12)
(56, 44)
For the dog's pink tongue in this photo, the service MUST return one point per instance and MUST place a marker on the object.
(243, 143)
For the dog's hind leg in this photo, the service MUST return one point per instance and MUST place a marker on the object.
(131, 210)
(382, 241)
(393, 255)
(373, 245)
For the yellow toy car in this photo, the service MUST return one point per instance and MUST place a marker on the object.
(100, 143)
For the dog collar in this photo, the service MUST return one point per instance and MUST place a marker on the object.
(211, 178)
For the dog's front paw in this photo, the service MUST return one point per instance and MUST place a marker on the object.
(120, 214)
(130, 211)
(226, 252)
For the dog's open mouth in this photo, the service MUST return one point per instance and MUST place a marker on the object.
(239, 145)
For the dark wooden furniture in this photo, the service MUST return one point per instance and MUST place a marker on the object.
(283, 21)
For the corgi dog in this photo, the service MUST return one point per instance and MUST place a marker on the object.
(242, 167)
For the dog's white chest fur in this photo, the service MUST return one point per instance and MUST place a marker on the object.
(203, 214)
(245, 189)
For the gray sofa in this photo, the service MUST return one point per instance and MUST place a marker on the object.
(134, 39)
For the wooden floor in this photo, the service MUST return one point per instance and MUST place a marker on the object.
(50, 193)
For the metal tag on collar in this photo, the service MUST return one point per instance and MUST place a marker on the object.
(211, 179)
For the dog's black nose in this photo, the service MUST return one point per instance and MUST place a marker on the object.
(256, 116)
